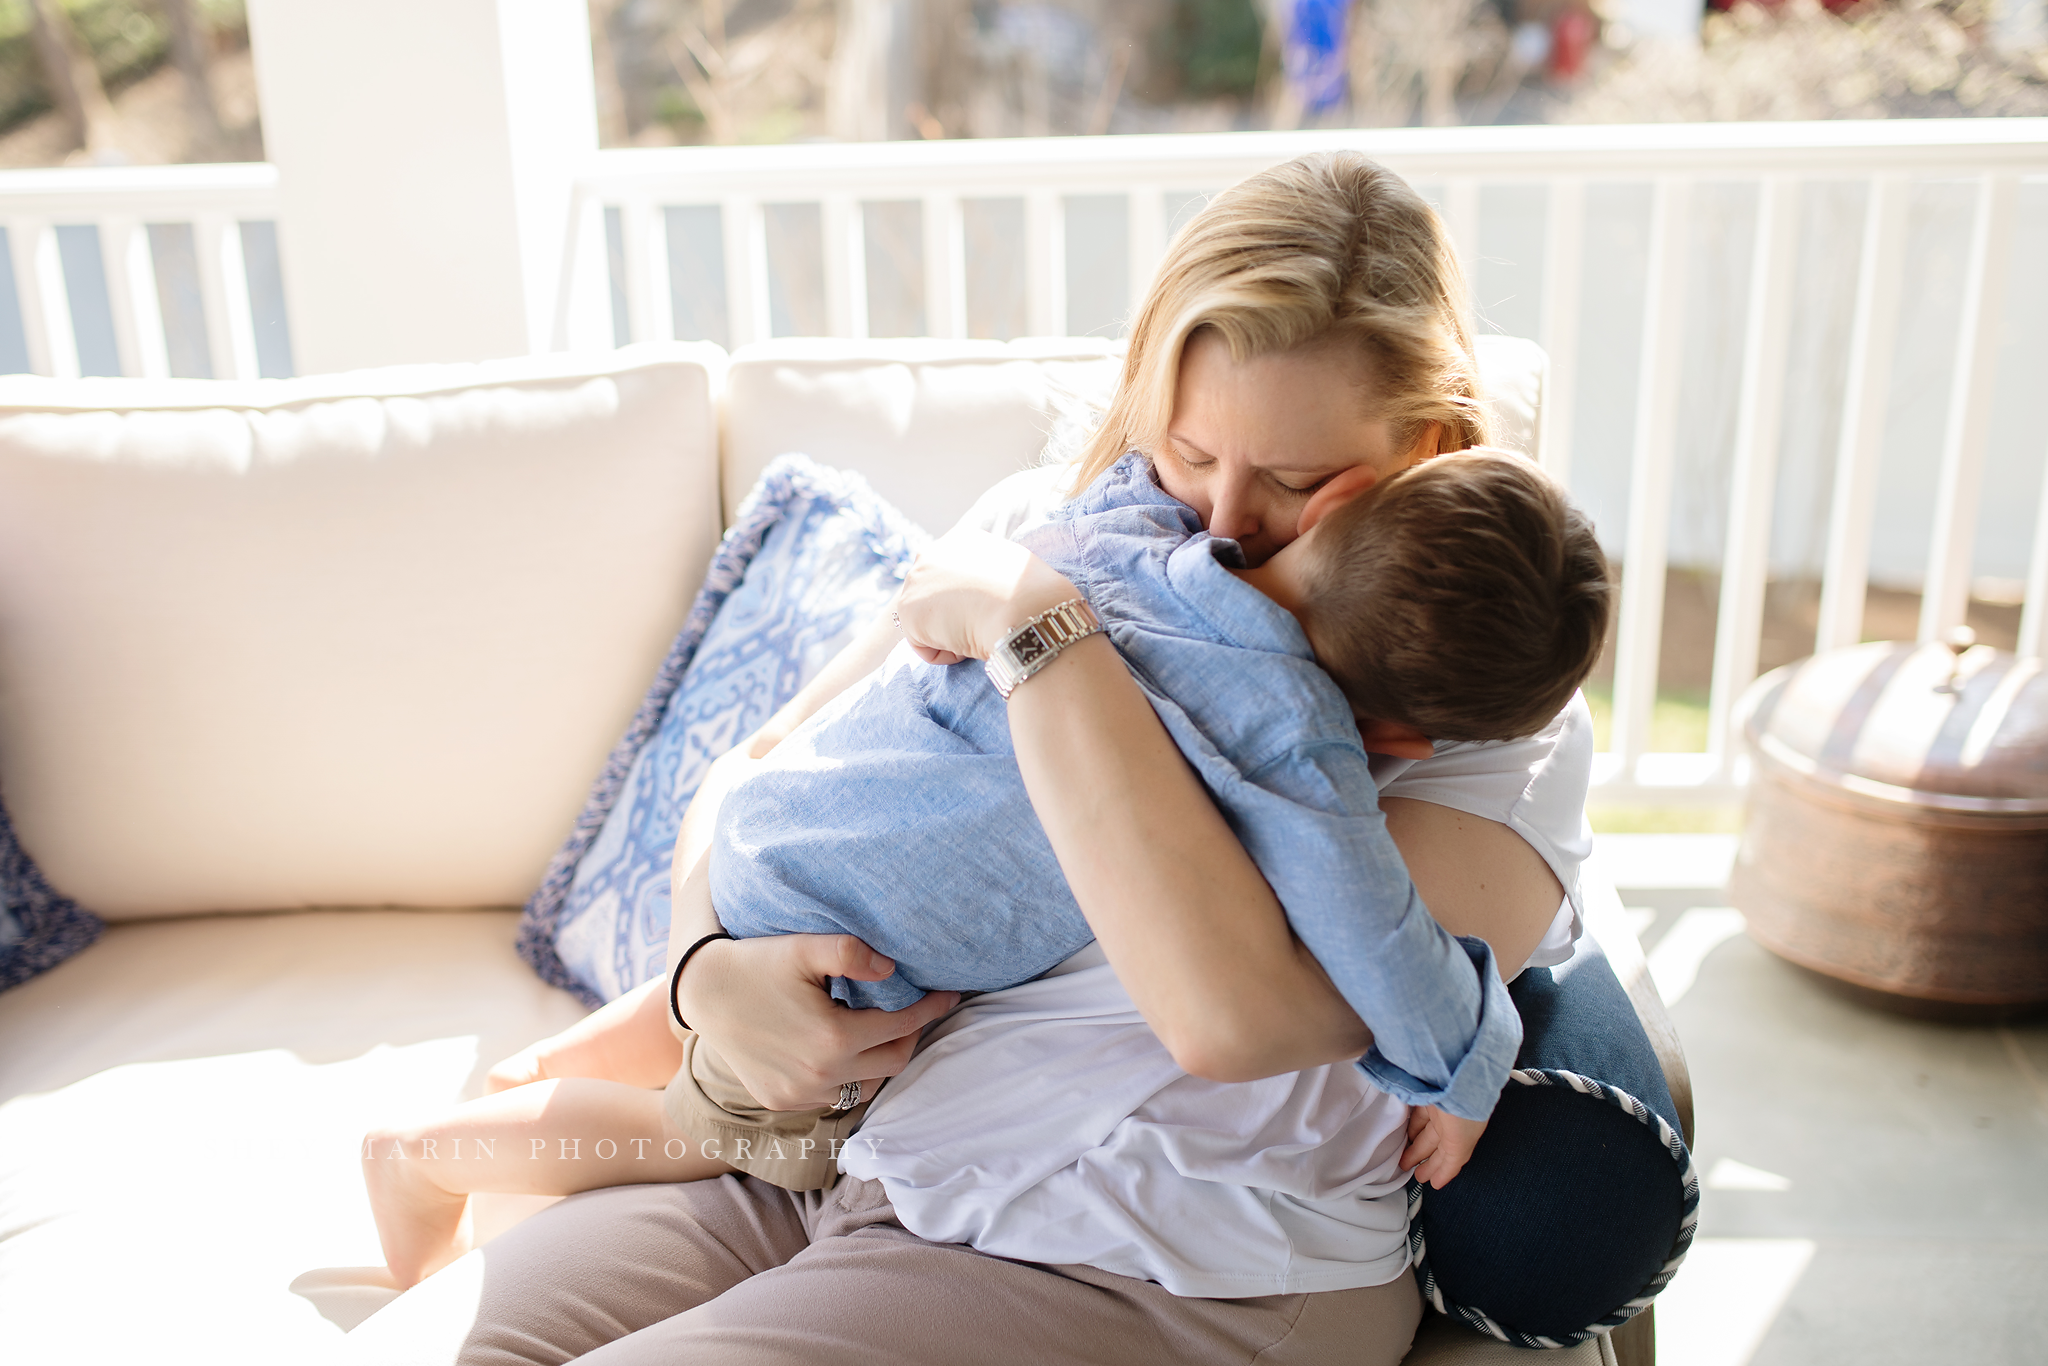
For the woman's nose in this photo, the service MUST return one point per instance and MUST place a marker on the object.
(1233, 516)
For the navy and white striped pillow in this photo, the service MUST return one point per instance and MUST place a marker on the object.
(1580, 1201)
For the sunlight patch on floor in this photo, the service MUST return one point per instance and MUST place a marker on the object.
(1724, 1299)
(1675, 961)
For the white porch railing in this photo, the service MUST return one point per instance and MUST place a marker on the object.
(1069, 195)
(738, 244)
(145, 271)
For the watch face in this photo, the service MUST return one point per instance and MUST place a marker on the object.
(1029, 647)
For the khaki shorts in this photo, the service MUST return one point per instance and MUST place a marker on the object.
(797, 1150)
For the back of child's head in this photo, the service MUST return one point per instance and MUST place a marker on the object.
(1465, 596)
(1327, 247)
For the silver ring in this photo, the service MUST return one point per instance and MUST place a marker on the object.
(849, 1095)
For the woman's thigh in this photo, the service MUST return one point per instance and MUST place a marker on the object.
(866, 1290)
(592, 1269)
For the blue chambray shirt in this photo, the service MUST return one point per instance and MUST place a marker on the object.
(898, 814)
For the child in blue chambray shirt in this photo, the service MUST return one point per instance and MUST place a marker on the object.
(1464, 597)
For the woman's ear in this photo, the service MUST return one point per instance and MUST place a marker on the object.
(1335, 494)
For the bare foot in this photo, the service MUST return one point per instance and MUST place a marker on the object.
(421, 1226)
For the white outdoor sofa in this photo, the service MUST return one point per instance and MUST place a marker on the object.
(301, 683)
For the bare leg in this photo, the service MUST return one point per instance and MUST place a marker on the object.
(550, 1138)
(628, 1040)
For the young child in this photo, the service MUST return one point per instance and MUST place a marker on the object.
(1464, 597)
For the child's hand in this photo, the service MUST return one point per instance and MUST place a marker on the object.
(1439, 1144)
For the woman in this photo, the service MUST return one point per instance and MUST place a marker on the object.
(1306, 332)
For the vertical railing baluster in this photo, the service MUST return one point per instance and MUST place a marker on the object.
(746, 270)
(1461, 215)
(633, 261)
(1563, 257)
(846, 265)
(59, 322)
(945, 266)
(234, 273)
(1045, 263)
(224, 296)
(2033, 638)
(1873, 334)
(146, 312)
(1147, 217)
(1745, 567)
(45, 306)
(117, 240)
(1946, 596)
(1641, 626)
(582, 289)
(650, 311)
(661, 297)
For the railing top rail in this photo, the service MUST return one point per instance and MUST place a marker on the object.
(1537, 151)
(114, 189)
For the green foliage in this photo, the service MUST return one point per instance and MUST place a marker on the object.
(1213, 46)
(1678, 722)
(128, 40)
(1618, 818)
(676, 107)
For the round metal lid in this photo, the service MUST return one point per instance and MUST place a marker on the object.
(1949, 728)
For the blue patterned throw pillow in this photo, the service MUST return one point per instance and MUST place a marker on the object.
(1580, 1200)
(39, 927)
(813, 554)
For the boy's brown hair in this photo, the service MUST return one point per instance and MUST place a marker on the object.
(1464, 596)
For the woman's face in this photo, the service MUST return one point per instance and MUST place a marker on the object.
(1251, 440)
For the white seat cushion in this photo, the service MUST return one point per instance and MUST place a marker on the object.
(179, 1147)
(352, 640)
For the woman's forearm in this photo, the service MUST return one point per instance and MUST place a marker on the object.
(1194, 932)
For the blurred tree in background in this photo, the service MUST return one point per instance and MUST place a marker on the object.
(1205, 50)
(1804, 60)
(70, 56)
(775, 70)
(740, 71)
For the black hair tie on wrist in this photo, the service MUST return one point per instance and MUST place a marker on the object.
(675, 981)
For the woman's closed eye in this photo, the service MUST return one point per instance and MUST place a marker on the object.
(1293, 483)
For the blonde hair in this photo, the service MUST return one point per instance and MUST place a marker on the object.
(1327, 246)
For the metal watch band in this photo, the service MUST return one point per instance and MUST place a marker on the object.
(1038, 642)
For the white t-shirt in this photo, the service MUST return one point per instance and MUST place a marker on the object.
(1047, 1123)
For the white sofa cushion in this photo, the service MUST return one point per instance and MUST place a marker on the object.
(934, 423)
(355, 640)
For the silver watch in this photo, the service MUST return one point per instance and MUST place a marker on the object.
(1038, 642)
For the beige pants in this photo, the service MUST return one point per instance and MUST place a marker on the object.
(736, 1272)
(797, 1150)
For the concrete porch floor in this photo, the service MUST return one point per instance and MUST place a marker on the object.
(1875, 1187)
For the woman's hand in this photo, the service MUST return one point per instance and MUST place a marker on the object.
(969, 589)
(766, 1005)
